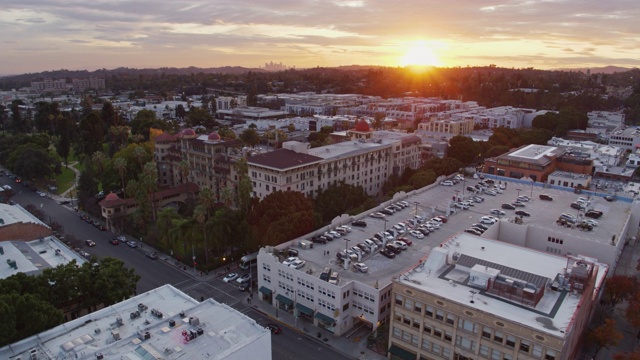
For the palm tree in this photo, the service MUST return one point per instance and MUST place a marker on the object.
(120, 165)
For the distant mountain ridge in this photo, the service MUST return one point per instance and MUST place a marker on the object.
(599, 70)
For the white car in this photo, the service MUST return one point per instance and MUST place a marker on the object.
(497, 212)
(490, 192)
(488, 220)
(377, 215)
(417, 234)
(446, 183)
(590, 222)
(290, 260)
(297, 264)
(361, 267)
(230, 277)
(460, 205)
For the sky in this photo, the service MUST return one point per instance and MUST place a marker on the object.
(41, 35)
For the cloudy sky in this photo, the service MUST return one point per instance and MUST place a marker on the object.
(39, 35)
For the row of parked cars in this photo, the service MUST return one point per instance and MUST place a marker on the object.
(331, 234)
(390, 210)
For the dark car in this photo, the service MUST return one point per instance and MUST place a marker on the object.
(388, 253)
(545, 197)
(576, 205)
(65, 202)
(522, 213)
(275, 329)
(473, 231)
(114, 241)
(594, 214)
(508, 207)
(360, 223)
(386, 212)
(319, 239)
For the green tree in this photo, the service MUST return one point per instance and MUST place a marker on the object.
(144, 121)
(200, 117)
(618, 288)
(65, 129)
(33, 162)
(339, 199)
(91, 134)
(250, 137)
(463, 148)
(282, 216)
(226, 133)
(120, 165)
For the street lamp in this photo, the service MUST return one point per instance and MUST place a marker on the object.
(385, 223)
(532, 181)
(416, 203)
(346, 244)
(518, 190)
(457, 192)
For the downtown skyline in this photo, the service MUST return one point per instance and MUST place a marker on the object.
(42, 35)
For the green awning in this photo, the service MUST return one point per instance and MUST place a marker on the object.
(303, 309)
(324, 318)
(402, 353)
(265, 290)
(284, 300)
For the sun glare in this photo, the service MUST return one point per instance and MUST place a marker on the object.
(420, 54)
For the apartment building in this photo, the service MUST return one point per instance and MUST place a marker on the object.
(366, 160)
(204, 160)
(475, 298)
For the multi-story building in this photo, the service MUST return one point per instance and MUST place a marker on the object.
(204, 160)
(163, 323)
(478, 298)
(366, 160)
(627, 137)
(49, 85)
(448, 126)
(90, 83)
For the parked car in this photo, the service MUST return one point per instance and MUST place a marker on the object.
(388, 253)
(290, 260)
(377, 215)
(230, 277)
(442, 218)
(360, 223)
(319, 239)
(497, 212)
(522, 213)
(114, 241)
(576, 205)
(508, 206)
(610, 198)
(518, 204)
(416, 234)
(473, 231)
(446, 183)
(364, 247)
(90, 243)
(594, 214)
(152, 255)
(481, 226)
(400, 244)
(361, 267)
(132, 244)
(489, 220)
(406, 240)
(546, 197)
(298, 264)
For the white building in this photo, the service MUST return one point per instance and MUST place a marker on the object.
(163, 323)
(474, 297)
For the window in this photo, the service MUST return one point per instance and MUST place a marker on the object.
(550, 355)
(426, 344)
(428, 310)
(437, 332)
(427, 329)
(399, 300)
(537, 351)
(397, 333)
(468, 325)
(450, 319)
(486, 332)
(484, 350)
(408, 304)
(417, 307)
(524, 346)
(496, 355)
(448, 336)
(465, 343)
(498, 337)
(511, 341)
(439, 315)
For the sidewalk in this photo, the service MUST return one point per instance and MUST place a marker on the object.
(354, 347)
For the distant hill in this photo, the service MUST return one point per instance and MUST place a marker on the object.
(63, 73)
(599, 70)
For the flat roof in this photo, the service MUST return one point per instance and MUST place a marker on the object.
(534, 152)
(31, 257)
(11, 214)
(141, 328)
(439, 275)
(346, 149)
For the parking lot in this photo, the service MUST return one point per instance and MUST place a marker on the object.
(441, 200)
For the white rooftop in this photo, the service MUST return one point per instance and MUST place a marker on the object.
(552, 314)
(31, 257)
(11, 214)
(155, 325)
(534, 151)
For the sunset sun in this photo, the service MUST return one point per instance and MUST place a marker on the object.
(420, 54)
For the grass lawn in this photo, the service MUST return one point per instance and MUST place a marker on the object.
(65, 180)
